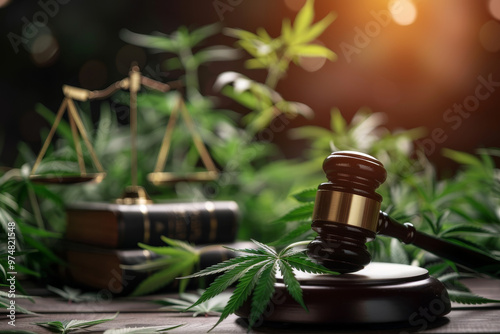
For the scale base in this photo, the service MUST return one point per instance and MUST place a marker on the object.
(380, 293)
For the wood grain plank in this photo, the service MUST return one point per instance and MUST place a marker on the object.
(140, 311)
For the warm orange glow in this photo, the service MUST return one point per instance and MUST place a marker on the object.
(494, 7)
(489, 36)
(294, 5)
(404, 12)
(44, 50)
(312, 64)
(4, 3)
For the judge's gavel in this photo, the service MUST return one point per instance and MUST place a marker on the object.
(347, 215)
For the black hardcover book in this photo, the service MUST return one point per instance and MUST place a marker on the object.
(100, 268)
(124, 226)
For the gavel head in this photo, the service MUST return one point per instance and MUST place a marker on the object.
(346, 211)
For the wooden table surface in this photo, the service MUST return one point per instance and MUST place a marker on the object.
(138, 312)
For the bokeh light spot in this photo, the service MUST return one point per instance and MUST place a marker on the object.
(4, 3)
(44, 50)
(312, 64)
(93, 74)
(489, 36)
(403, 12)
(494, 7)
(295, 5)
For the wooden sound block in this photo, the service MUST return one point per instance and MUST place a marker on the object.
(379, 293)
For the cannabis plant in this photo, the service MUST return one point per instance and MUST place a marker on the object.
(295, 42)
(66, 326)
(252, 173)
(25, 235)
(461, 209)
(177, 258)
(255, 273)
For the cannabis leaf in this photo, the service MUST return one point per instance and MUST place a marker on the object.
(141, 330)
(464, 297)
(178, 259)
(65, 326)
(213, 306)
(255, 271)
(73, 295)
(5, 302)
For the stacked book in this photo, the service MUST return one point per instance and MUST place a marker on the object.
(101, 237)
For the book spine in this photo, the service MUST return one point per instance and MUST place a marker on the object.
(198, 223)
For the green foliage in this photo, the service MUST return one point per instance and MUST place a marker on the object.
(181, 44)
(5, 302)
(265, 103)
(210, 307)
(66, 326)
(274, 55)
(178, 259)
(141, 330)
(73, 295)
(469, 298)
(22, 227)
(460, 209)
(255, 272)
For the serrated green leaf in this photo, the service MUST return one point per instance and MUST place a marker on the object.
(291, 283)
(269, 250)
(224, 281)
(242, 291)
(305, 196)
(224, 266)
(263, 292)
(300, 213)
(469, 298)
(65, 326)
(247, 251)
(302, 263)
(212, 306)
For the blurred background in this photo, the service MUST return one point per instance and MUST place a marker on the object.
(431, 64)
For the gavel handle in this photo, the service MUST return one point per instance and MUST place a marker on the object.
(460, 255)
